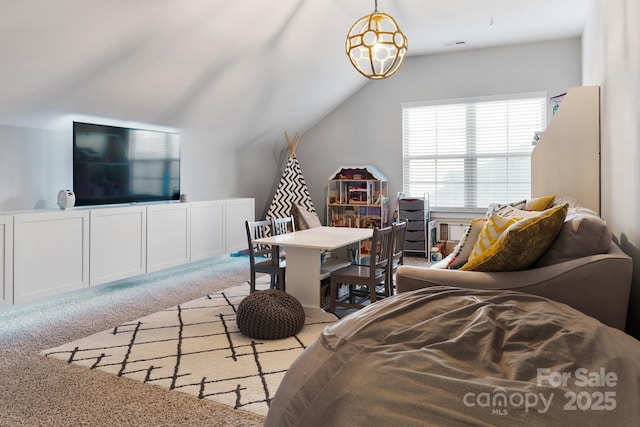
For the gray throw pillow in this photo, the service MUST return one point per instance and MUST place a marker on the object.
(303, 218)
(582, 234)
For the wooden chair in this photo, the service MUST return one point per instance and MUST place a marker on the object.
(371, 276)
(264, 258)
(283, 225)
(397, 252)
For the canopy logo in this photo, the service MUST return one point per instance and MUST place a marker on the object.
(585, 391)
(499, 401)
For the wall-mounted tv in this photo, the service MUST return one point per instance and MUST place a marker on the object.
(122, 165)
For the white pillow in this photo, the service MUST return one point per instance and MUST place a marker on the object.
(510, 211)
(443, 263)
(458, 257)
(499, 208)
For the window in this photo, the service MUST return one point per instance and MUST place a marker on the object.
(467, 154)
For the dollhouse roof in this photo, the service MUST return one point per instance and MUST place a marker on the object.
(365, 172)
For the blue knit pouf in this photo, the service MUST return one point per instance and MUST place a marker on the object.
(270, 314)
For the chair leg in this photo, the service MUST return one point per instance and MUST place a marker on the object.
(252, 282)
(372, 293)
(333, 295)
(281, 284)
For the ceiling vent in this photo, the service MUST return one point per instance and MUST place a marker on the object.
(456, 43)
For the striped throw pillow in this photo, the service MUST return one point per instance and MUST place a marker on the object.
(491, 231)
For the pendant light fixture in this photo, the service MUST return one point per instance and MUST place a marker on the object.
(375, 45)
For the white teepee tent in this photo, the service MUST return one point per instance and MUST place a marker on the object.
(292, 188)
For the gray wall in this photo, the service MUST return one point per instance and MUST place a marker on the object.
(367, 128)
(36, 163)
(611, 46)
(30, 176)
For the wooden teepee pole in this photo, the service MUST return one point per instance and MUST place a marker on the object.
(294, 144)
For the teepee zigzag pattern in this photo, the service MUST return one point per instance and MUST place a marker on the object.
(292, 188)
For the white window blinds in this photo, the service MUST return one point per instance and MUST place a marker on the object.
(469, 154)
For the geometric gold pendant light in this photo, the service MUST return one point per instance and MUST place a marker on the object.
(375, 45)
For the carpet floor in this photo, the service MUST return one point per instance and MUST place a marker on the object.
(196, 348)
(41, 391)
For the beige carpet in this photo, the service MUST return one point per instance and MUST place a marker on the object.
(43, 391)
(197, 349)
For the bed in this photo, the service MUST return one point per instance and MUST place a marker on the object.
(450, 356)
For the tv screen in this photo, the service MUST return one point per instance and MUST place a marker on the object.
(122, 165)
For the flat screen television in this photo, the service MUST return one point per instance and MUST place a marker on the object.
(114, 165)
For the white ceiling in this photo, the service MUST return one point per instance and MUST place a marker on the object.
(240, 71)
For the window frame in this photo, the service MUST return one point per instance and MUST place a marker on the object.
(541, 95)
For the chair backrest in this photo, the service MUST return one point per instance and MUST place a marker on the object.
(283, 225)
(258, 230)
(381, 245)
(399, 232)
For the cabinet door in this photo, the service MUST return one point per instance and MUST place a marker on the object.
(237, 211)
(168, 235)
(207, 229)
(51, 253)
(118, 243)
(6, 260)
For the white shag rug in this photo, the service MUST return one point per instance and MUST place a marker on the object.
(195, 348)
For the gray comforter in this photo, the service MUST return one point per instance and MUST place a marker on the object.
(448, 356)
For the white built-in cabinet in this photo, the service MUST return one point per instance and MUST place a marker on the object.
(208, 229)
(48, 252)
(566, 158)
(168, 235)
(6, 260)
(118, 243)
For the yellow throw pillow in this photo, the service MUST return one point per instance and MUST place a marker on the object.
(520, 246)
(491, 231)
(540, 203)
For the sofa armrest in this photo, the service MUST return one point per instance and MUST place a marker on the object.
(597, 285)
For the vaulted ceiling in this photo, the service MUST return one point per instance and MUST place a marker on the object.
(238, 71)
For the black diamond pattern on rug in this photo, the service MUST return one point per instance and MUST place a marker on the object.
(195, 348)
